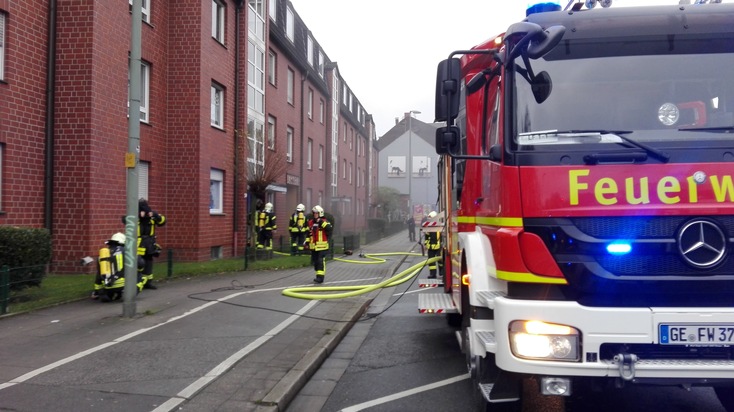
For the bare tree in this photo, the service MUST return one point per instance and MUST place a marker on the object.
(274, 166)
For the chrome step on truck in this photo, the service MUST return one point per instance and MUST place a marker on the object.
(434, 302)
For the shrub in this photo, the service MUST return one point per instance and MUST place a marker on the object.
(27, 252)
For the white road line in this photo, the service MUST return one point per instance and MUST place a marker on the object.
(202, 382)
(404, 394)
(106, 345)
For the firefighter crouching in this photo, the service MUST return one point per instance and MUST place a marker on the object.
(298, 229)
(432, 243)
(109, 282)
(318, 241)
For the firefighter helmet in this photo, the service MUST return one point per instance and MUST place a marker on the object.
(268, 207)
(300, 207)
(318, 209)
(118, 237)
(432, 214)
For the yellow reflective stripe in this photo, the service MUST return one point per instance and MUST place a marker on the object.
(492, 221)
(528, 278)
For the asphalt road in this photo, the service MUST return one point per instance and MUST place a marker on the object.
(404, 361)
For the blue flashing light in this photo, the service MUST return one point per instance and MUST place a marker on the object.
(619, 248)
(542, 7)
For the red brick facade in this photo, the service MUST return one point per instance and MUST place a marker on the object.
(63, 160)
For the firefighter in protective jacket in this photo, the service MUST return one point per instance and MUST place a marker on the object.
(109, 281)
(318, 241)
(148, 246)
(265, 226)
(432, 243)
(298, 229)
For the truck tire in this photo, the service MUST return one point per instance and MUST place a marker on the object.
(726, 397)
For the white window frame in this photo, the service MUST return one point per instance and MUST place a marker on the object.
(272, 67)
(256, 140)
(144, 91)
(291, 85)
(272, 122)
(216, 191)
(310, 104)
(321, 64)
(143, 173)
(321, 157)
(145, 9)
(218, 20)
(217, 106)
(289, 144)
(272, 12)
(255, 78)
(321, 111)
(309, 50)
(309, 154)
(256, 18)
(290, 25)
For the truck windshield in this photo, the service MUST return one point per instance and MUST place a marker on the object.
(658, 89)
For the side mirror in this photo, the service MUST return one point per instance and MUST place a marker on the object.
(541, 86)
(447, 139)
(448, 78)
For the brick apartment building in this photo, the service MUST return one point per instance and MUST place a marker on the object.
(227, 85)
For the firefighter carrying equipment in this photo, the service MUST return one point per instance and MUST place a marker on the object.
(298, 229)
(265, 224)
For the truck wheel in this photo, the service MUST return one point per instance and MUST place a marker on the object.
(726, 397)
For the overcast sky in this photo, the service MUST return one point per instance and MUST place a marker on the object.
(388, 50)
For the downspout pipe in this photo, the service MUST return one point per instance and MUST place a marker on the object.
(303, 132)
(50, 110)
(235, 191)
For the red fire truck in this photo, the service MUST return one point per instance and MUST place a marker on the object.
(587, 189)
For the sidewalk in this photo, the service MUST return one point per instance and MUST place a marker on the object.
(267, 379)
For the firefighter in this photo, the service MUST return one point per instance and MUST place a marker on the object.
(298, 228)
(318, 241)
(148, 247)
(109, 282)
(432, 243)
(265, 225)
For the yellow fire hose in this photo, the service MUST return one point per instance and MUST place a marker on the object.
(320, 292)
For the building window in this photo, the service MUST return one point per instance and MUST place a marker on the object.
(290, 25)
(216, 252)
(321, 64)
(310, 104)
(144, 90)
(256, 141)
(216, 187)
(143, 173)
(309, 151)
(256, 19)
(344, 169)
(255, 78)
(321, 111)
(271, 10)
(291, 85)
(272, 66)
(351, 168)
(2, 45)
(271, 132)
(309, 50)
(321, 157)
(145, 9)
(289, 145)
(218, 20)
(217, 106)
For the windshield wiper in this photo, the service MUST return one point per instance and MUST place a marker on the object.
(622, 134)
(719, 129)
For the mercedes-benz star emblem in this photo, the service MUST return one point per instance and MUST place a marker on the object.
(702, 243)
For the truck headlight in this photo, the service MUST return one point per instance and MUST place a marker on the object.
(544, 341)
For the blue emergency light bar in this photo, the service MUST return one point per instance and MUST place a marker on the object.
(542, 7)
(619, 248)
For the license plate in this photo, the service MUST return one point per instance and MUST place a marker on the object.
(696, 334)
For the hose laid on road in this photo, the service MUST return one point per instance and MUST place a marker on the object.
(320, 292)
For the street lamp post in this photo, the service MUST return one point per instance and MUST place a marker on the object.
(410, 160)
